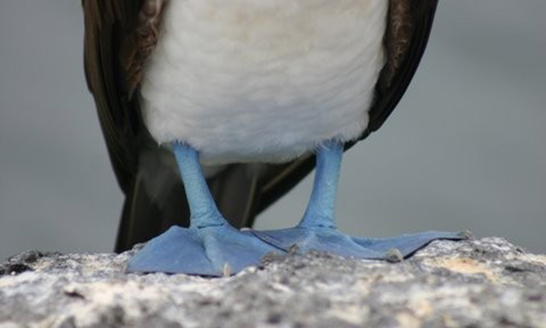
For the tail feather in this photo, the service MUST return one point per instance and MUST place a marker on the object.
(143, 217)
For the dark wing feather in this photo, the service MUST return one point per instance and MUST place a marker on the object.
(106, 26)
(409, 26)
(406, 42)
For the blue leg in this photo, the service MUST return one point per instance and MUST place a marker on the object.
(210, 246)
(317, 230)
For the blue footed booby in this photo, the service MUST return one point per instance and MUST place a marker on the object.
(213, 109)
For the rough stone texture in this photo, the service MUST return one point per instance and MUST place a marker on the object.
(476, 283)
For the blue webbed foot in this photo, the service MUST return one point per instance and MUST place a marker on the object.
(210, 246)
(407, 244)
(317, 230)
(329, 239)
(212, 251)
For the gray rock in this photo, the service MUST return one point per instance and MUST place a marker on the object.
(475, 283)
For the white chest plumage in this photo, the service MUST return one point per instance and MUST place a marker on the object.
(267, 80)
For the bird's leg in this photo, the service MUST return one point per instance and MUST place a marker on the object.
(317, 230)
(203, 210)
(321, 208)
(210, 246)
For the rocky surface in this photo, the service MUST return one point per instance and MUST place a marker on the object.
(476, 283)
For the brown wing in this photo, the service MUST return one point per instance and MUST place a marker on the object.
(107, 24)
(409, 25)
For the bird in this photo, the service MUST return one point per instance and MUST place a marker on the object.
(214, 109)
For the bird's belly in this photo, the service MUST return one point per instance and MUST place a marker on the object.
(268, 80)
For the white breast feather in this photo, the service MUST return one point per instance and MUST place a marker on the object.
(263, 80)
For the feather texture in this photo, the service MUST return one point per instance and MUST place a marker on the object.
(267, 81)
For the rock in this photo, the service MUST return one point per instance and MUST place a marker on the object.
(475, 283)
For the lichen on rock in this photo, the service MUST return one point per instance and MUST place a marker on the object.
(475, 283)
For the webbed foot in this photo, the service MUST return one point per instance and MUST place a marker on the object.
(212, 251)
(329, 239)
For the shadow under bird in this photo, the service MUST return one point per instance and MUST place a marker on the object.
(213, 109)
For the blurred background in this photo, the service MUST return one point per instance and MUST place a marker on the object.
(464, 149)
